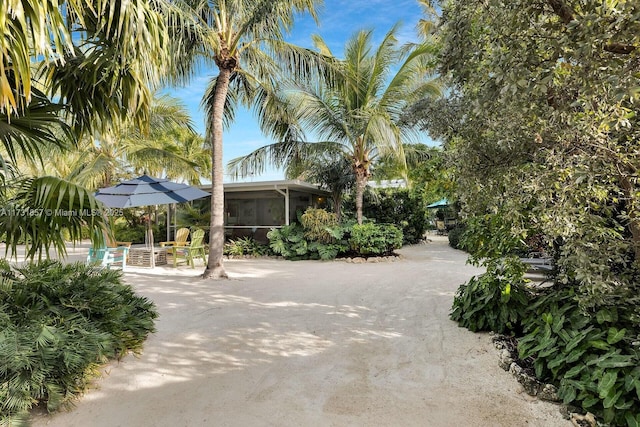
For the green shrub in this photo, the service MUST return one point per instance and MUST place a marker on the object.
(245, 246)
(317, 224)
(375, 239)
(404, 208)
(455, 236)
(322, 238)
(58, 323)
(494, 301)
(595, 359)
(290, 242)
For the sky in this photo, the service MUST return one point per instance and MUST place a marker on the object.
(338, 21)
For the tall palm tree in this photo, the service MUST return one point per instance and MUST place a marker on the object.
(244, 38)
(356, 110)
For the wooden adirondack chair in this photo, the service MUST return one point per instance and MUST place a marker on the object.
(188, 252)
(180, 240)
(110, 253)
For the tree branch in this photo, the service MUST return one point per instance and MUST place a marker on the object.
(566, 15)
(619, 48)
(562, 10)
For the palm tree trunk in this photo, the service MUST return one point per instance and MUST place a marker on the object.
(337, 205)
(215, 268)
(361, 183)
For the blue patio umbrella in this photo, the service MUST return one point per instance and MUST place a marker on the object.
(439, 204)
(147, 191)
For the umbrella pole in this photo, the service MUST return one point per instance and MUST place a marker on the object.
(149, 241)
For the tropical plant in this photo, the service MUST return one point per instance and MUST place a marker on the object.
(42, 212)
(540, 122)
(69, 68)
(245, 41)
(593, 357)
(405, 208)
(317, 224)
(293, 242)
(244, 246)
(494, 301)
(374, 239)
(331, 171)
(355, 110)
(58, 324)
(541, 130)
(168, 147)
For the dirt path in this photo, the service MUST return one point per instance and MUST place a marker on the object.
(310, 344)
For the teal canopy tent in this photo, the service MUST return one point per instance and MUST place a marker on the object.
(442, 203)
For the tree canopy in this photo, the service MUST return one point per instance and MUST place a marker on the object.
(541, 126)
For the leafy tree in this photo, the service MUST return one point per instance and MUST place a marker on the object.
(355, 110)
(245, 41)
(541, 128)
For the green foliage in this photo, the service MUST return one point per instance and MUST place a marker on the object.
(290, 242)
(375, 239)
(58, 323)
(245, 246)
(404, 208)
(540, 125)
(541, 131)
(316, 223)
(323, 238)
(455, 236)
(494, 301)
(42, 211)
(595, 358)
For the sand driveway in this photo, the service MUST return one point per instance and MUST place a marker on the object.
(310, 343)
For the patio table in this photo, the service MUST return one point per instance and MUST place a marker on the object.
(140, 255)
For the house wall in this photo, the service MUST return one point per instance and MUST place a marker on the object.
(252, 213)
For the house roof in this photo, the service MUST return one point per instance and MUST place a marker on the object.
(292, 185)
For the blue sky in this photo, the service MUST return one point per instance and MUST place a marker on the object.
(339, 19)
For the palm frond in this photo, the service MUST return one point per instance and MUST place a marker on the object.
(41, 209)
(40, 124)
(286, 153)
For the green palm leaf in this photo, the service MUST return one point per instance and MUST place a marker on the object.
(41, 209)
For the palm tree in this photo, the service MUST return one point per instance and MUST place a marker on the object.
(356, 110)
(68, 68)
(170, 148)
(245, 40)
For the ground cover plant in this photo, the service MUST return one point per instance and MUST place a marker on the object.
(58, 324)
(594, 357)
(245, 246)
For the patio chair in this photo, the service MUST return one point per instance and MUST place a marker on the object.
(115, 244)
(180, 240)
(441, 228)
(188, 252)
(107, 257)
